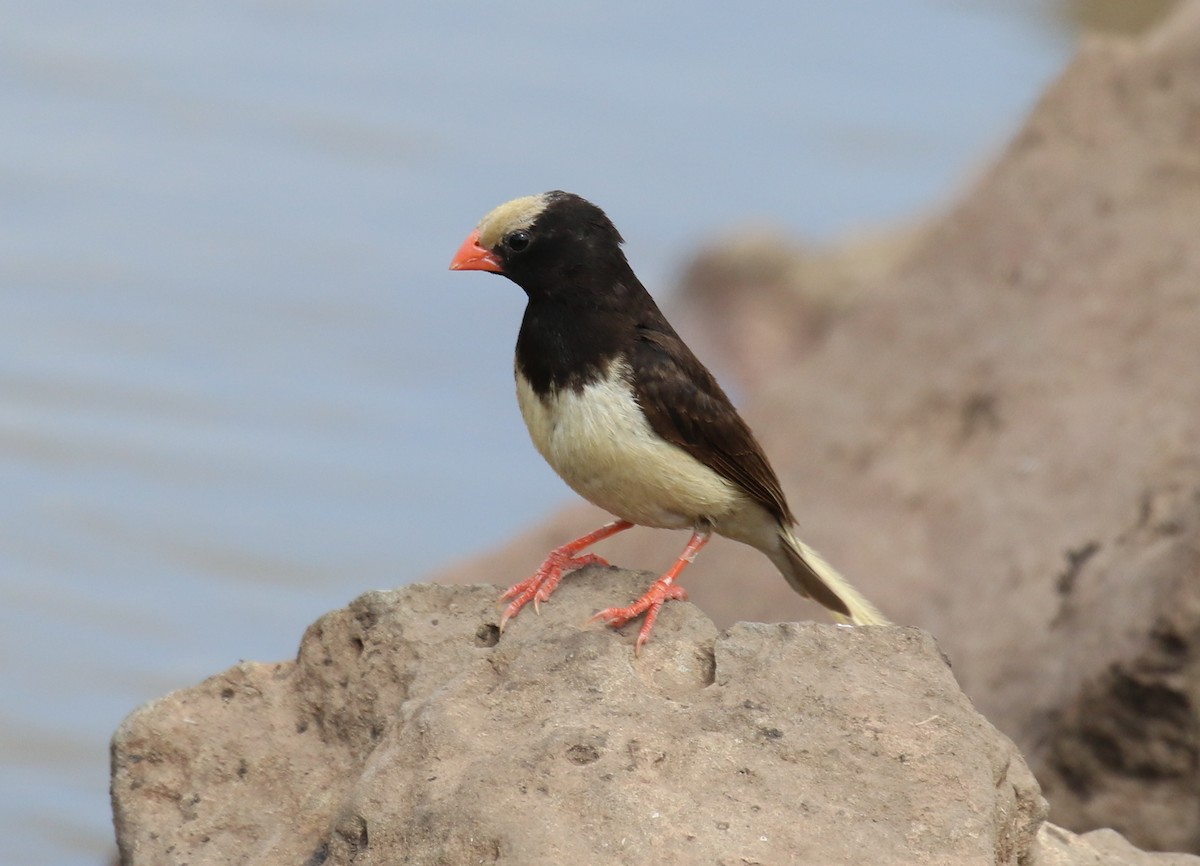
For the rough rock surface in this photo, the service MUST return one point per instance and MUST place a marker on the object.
(999, 445)
(409, 731)
(1058, 847)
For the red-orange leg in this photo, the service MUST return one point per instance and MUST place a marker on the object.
(660, 592)
(560, 562)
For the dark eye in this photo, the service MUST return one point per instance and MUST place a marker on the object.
(517, 241)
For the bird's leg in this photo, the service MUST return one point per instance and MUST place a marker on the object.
(662, 591)
(560, 561)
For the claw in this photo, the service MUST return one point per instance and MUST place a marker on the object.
(558, 564)
(649, 604)
(568, 558)
(661, 591)
(544, 581)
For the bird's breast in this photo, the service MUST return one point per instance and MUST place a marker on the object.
(597, 438)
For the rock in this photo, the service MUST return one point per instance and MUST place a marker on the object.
(1058, 847)
(758, 301)
(409, 731)
(1000, 446)
(1124, 748)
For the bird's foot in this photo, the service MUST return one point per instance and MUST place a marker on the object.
(649, 604)
(544, 581)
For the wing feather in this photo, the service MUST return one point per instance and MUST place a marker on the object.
(685, 405)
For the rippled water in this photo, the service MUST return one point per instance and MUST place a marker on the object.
(237, 384)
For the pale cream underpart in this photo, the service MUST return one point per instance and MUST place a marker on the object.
(510, 216)
(601, 444)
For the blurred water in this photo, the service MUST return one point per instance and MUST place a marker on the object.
(237, 384)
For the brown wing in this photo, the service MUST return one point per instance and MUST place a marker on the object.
(686, 406)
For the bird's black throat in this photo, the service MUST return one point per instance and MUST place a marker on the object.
(562, 345)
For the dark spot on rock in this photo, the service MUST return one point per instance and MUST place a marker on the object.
(1077, 779)
(367, 618)
(354, 833)
(722, 825)
(243, 768)
(771, 733)
(433, 621)
(1076, 558)
(708, 664)
(227, 694)
(358, 645)
(583, 754)
(1171, 644)
(1132, 724)
(487, 635)
(979, 414)
(301, 726)
(1103, 747)
(319, 856)
(187, 808)
(1153, 700)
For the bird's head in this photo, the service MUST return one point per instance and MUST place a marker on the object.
(547, 244)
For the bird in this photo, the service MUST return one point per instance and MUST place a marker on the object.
(628, 416)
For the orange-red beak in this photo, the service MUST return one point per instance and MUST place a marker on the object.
(472, 257)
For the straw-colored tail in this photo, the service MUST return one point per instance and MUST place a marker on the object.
(812, 576)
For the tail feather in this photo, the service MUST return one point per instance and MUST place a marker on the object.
(812, 576)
